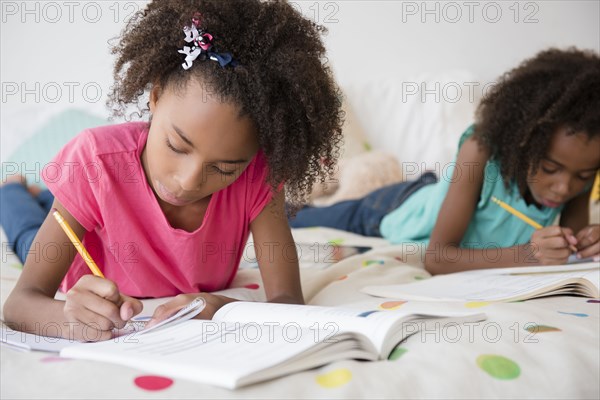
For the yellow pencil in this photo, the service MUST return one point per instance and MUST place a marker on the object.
(516, 213)
(523, 217)
(78, 245)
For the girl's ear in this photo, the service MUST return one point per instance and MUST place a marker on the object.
(154, 96)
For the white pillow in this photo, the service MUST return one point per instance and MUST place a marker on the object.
(422, 131)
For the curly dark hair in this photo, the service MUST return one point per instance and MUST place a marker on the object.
(518, 117)
(281, 80)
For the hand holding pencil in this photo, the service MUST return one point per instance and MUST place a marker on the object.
(588, 242)
(94, 304)
(552, 245)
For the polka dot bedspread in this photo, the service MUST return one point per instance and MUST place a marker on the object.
(544, 348)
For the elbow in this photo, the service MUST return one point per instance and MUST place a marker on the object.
(293, 300)
(442, 258)
(433, 265)
(14, 311)
(287, 299)
(10, 311)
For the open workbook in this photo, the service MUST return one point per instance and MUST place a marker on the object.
(247, 342)
(28, 341)
(501, 284)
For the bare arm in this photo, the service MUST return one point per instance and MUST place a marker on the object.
(94, 305)
(31, 304)
(277, 258)
(444, 254)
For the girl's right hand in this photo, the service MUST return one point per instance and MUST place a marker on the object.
(94, 307)
(551, 244)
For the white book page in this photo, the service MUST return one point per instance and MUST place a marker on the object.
(483, 286)
(204, 351)
(29, 341)
(324, 321)
(194, 308)
(583, 266)
(331, 319)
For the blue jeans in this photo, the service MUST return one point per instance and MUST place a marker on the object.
(21, 215)
(362, 216)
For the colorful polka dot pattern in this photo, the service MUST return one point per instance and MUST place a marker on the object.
(366, 263)
(496, 366)
(50, 359)
(152, 382)
(397, 353)
(476, 304)
(367, 313)
(581, 315)
(333, 379)
(391, 305)
(540, 328)
(253, 286)
(499, 367)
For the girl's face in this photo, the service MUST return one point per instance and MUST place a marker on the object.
(196, 145)
(570, 164)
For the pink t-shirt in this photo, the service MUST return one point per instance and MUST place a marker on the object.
(98, 177)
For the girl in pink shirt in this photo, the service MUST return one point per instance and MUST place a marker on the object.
(240, 102)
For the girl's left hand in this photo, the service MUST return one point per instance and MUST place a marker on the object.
(588, 241)
(213, 303)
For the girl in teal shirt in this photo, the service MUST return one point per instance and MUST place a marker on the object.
(535, 145)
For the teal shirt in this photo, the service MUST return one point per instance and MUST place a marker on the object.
(490, 227)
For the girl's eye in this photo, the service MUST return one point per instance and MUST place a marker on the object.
(225, 173)
(548, 170)
(169, 145)
(585, 177)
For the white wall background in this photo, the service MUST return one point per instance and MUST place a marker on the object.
(403, 38)
(54, 54)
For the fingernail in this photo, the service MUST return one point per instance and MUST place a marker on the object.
(597, 258)
(126, 314)
(578, 256)
(572, 238)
